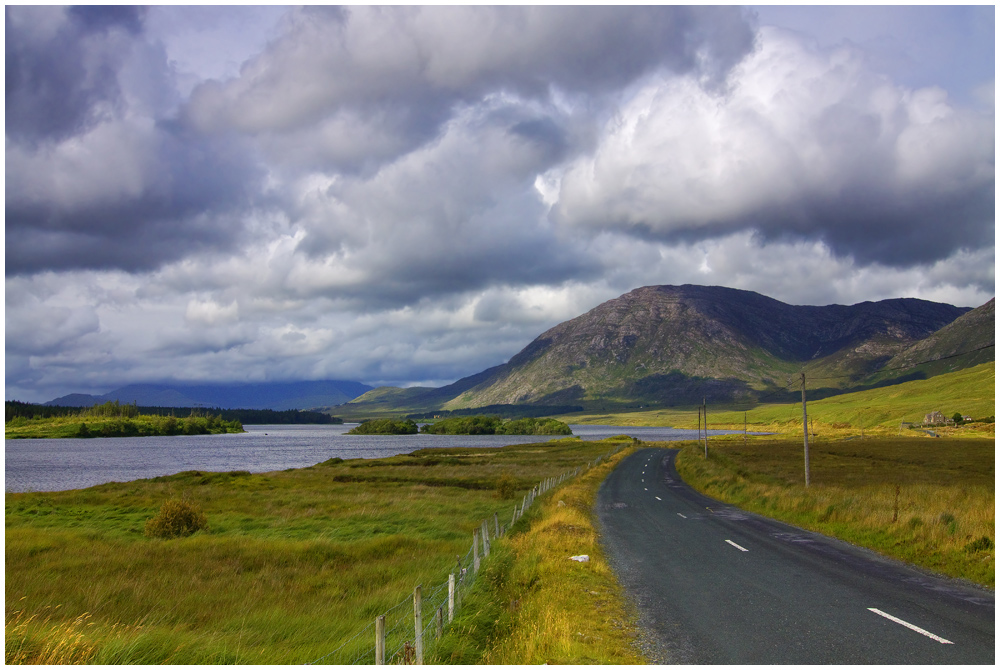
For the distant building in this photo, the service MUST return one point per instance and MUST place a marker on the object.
(966, 419)
(935, 417)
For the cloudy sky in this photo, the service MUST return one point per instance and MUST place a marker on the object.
(408, 196)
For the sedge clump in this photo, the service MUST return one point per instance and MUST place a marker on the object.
(177, 518)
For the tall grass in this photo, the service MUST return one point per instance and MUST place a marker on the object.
(294, 563)
(927, 502)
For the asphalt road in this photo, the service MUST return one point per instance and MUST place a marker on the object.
(715, 584)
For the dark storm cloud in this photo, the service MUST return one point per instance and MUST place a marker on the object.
(427, 58)
(107, 17)
(187, 200)
(870, 227)
(61, 75)
(92, 180)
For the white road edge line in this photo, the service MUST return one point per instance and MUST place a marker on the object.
(910, 626)
(736, 545)
(681, 515)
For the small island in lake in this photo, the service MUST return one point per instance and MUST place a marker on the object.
(494, 425)
(112, 419)
(384, 427)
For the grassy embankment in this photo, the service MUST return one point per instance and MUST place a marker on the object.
(924, 501)
(292, 563)
(534, 605)
(877, 411)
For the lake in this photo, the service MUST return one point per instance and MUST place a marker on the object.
(58, 465)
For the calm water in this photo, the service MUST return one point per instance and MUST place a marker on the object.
(57, 465)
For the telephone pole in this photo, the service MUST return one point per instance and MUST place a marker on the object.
(704, 406)
(805, 427)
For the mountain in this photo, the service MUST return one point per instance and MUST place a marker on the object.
(273, 395)
(678, 344)
(974, 331)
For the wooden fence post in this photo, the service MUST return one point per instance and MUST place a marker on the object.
(475, 551)
(418, 626)
(486, 540)
(440, 622)
(513, 519)
(380, 639)
(451, 597)
(496, 524)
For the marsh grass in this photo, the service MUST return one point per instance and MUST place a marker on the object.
(292, 564)
(927, 502)
(535, 605)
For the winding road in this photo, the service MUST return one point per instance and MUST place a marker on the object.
(715, 584)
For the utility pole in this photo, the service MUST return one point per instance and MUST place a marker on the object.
(704, 405)
(699, 427)
(805, 427)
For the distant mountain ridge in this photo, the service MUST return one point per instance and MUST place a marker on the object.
(679, 344)
(269, 395)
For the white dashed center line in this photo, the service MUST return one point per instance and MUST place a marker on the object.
(658, 498)
(681, 515)
(911, 626)
(736, 545)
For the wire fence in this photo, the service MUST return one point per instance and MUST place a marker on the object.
(391, 638)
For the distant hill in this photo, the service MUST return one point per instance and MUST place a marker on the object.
(275, 395)
(674, 345)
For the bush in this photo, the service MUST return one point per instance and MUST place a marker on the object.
(506, 486)
(177, 518)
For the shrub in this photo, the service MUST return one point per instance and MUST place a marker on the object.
(177, 518)
(506, 486)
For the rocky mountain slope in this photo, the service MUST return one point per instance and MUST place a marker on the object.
(678, 344)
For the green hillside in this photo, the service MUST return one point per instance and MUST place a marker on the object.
(971, 391)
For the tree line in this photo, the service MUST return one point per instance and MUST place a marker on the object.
(114, 409)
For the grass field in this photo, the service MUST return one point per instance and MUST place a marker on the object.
(877, 411)
(292, 563)
(925, 501)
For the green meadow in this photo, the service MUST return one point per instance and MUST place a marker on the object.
(291, 564)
